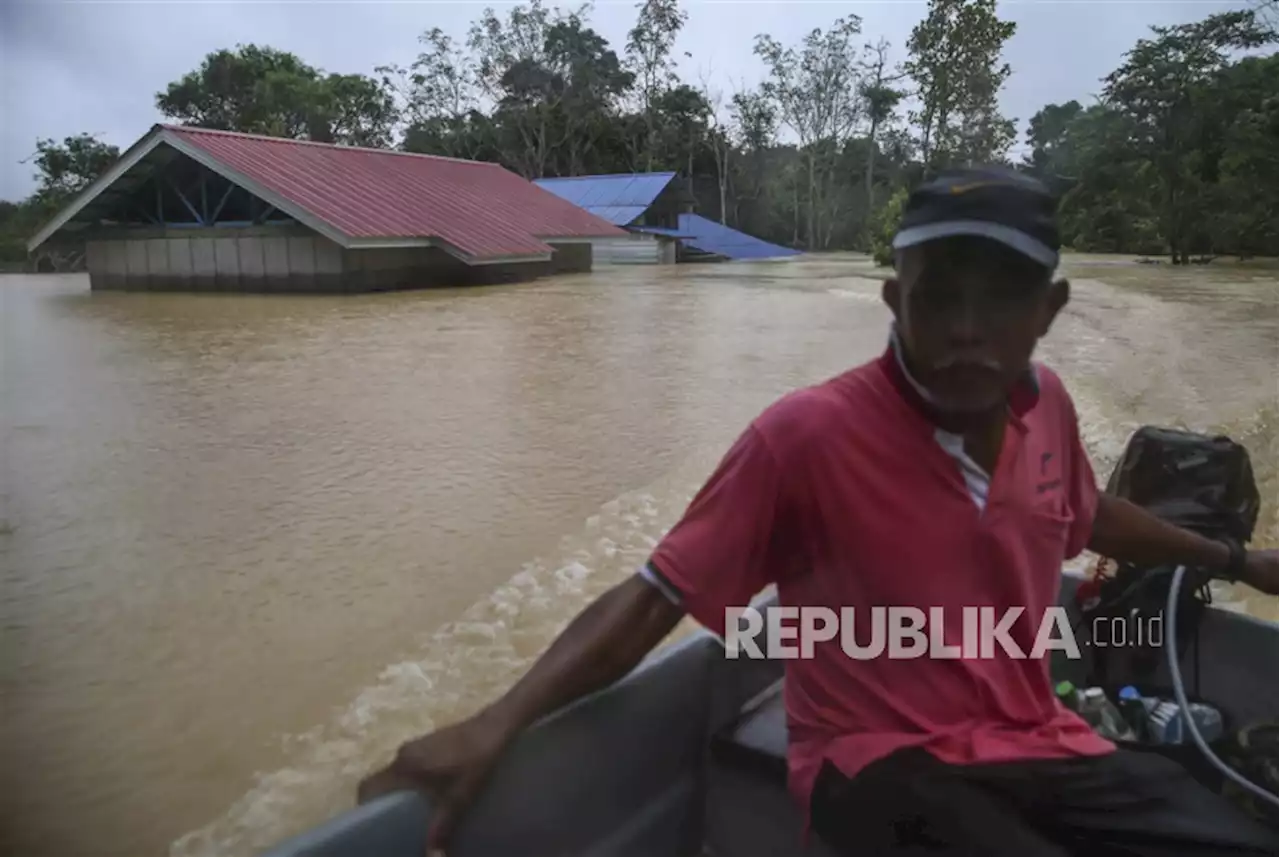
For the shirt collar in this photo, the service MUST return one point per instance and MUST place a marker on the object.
(1022, 399)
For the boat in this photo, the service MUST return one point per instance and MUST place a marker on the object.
(686, 757)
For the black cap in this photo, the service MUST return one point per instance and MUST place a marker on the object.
(989, 202)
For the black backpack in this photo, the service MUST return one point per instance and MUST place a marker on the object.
(1201, 482)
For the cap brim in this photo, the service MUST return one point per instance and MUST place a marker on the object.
(1006, 235)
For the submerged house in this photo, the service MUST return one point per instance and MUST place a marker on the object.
(646, 205)
(658, 217)
(193, 209)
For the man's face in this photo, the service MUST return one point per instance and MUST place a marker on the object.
(969, 312)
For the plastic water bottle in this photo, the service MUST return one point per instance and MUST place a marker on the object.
(1164, 723)
(1099, 713)
(1068, 695)
(1208, 721)
(1133, 710)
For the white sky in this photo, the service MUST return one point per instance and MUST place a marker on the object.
(67, 67)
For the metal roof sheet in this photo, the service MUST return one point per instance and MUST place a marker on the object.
(618, 199)
(480, 208)
(479, 211)
(712, 237)
(660, 230)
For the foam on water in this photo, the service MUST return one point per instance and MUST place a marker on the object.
(456, 668)
(853, 295)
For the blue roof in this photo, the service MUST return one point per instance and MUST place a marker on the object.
(619, 199)
(711, 237)
(659, 230)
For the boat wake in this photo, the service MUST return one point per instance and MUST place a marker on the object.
(458, 668)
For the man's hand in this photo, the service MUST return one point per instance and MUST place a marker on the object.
(1262, 571)
(600, 646)
(450, 766)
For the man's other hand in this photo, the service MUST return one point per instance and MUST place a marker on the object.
(450, 766)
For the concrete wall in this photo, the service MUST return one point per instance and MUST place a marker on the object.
(667, 251)
(572, 258)
(635, 249)
(267, 259)
(289, 259)
(428, 267)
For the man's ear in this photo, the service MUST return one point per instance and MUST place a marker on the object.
(891, 294)
(1059, 295)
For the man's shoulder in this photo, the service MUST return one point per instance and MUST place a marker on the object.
(812, 412)
(1052, 389)
(1047, 379)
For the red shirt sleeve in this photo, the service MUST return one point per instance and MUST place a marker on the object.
(730, 542)
(1081, 484)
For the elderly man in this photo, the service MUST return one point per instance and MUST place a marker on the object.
(949, 472)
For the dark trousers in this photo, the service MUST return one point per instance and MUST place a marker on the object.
(1123, 803)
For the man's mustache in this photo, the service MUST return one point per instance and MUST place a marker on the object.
(966, 363)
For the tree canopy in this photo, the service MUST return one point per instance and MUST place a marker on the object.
(1174, 154)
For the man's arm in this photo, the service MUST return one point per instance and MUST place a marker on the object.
(1121, 530)
(721, 552)
(600, 646)
(1125, 531)
(717, 555)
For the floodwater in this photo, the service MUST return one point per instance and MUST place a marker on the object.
(250, 544)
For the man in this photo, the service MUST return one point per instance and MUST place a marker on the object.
(947, 473)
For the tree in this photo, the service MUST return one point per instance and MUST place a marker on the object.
(880, 99)
(815, 91)
(718, 141)
(64, 169)
(1046, 135)
(1107, 204)
(955, 63)
(684, 130)
(884, 226)
(1163, 88)
(1178, 155)
(352, 110)
(753, 131)
(592, 80)
(1265, 14)
(440, 99)
(261, 90)
(553, 80)
(1242, 106)
(649, 46)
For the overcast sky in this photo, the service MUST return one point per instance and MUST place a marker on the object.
(91, 66)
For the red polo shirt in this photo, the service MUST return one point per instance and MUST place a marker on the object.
(843, 495)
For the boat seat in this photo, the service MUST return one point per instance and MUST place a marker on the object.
(749, 810)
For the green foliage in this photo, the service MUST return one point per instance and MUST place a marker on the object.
(884, 225)
(1177, 157)
(261, 90)
(62, 170)
(955, 62)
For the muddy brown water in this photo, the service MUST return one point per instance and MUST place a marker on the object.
(250, 544)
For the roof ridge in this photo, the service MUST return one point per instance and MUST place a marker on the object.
(199, 129)
(599, 176)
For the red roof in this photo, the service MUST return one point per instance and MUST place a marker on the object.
(482, 209)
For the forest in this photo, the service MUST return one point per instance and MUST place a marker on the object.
(1175, 155)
